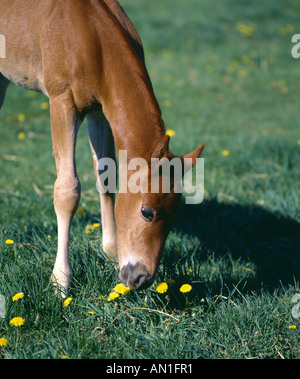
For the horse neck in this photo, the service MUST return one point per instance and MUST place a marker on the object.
(127, 97)
(136, 124)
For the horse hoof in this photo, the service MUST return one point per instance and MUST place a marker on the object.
(60, 287)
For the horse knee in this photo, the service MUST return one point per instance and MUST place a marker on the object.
(67, 196)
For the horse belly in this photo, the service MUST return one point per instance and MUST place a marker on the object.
(21, 60)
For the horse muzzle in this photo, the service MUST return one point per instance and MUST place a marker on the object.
(136, 276)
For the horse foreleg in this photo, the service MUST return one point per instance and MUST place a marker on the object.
(102, 145)
(64, 128)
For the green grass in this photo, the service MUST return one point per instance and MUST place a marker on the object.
(239, 249)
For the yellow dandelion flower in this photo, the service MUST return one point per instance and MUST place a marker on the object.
(113, 296)
(246, 30)
(209, 69)
(126, 290)
(170, 132)
(89, 229)
(96, 225)
(185, 288)
(292, 327)
(245, 59)
(121, 289)
(68, 301)
(91, 313)
(21, 136)
(17, 321)
(3, 341)
(290, 28)
(225, 153)
(45, 105)
(167, 103)
(284, 30)
(31, 94)
(64, 357)
(21, 117)
(169, 78)
(18, 296)
(298, 142)
(244, 73)
(162, 287)
(9, 242)
(232, 66)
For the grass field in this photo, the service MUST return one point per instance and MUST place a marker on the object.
(224, 75)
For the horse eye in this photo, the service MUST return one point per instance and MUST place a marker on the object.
(147, 214)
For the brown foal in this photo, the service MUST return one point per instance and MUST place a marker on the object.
(86, 56)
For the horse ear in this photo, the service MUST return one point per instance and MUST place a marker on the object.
(161, 148)
(190, 163)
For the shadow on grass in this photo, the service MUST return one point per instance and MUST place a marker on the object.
(247, 233)
(230, 233)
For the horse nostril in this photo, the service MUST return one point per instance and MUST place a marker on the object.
(123, 275)
(139, 281)
(135, 276)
